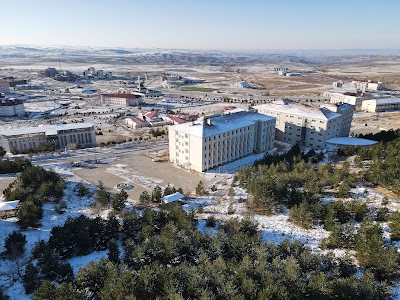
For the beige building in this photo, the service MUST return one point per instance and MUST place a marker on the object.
(307, 126)
(216, 140)
(58, 136)
(378, 105)
(352, 98)
(121, 99)
(368, 85)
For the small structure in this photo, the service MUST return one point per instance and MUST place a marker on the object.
(8, 209)
(336, 143)
(241, 85)
(173, 198)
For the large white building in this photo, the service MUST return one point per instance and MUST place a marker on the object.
(378, 105)
(23, 140)
(11, 107)
(353, 98)
(307, 126)
(216, 140)
(121, 99)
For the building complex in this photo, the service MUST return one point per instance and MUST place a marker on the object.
(11, 107)
(215, 140)
(383, 104)
(55, 136)
(307, 126)
(121, 99)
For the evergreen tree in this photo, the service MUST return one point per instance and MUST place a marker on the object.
(46, 291)
(15, 244)
(30, 278)
(29, 214)
(144, 198)
(113, 252)
(118, 200)
(102, 197)
(200, 190)
(156, 195)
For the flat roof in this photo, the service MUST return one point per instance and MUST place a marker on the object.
(46, 129)
(221, 123)
(128, 96)
(300, 110)
(350, 141)
(386, 100)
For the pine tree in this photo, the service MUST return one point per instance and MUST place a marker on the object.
(113, 252)
(30, 279)
(200, 191)
(102, 197)
(144, 198)
(118, 200)
(15, 244)
(46, 291)
(156, 194)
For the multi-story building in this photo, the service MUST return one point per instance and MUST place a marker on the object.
(378, 105)
(216, 140)
(307, 126)
(368, 85)
(23, 140)
(11, 81)
(11, 107)
(121, 99)
(352, 98)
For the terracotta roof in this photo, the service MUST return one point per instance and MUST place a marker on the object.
(151, 114)
(176, 119)
(136, 120)
(128, 96)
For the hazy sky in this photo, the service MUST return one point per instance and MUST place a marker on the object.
(203, 24)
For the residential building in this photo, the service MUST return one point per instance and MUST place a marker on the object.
(378, 105)
(352, 97)
(308, 126)
(121, 99)
(216, 140)
(136, 123)
(23, 140)
(368, 85)
(91, 73)
(11, 81)
(50, 72)
(11, 107)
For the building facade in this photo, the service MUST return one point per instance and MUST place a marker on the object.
(11, 107)
(56, 136)
(216, 140)
(306, 126)
(121, 99)
(379, 105)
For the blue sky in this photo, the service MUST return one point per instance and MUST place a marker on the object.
(203, 24)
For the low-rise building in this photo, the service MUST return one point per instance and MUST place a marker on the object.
(368, 85)
(216, 140)
(352, 97)
(136, 123)
(11, 107)
(121, 99)
(379, 105)
(241, 85)
(307, 126)
(11, 81)
(23, 140)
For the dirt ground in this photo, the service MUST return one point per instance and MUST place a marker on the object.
(141, 172)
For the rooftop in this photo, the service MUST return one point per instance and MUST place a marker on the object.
(9, 205)
(128, 96)
(221, 123)
(386, 101)
(350, 141)
(46, 129)
(300, 110)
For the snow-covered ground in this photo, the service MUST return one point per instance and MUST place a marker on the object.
(10, 270)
